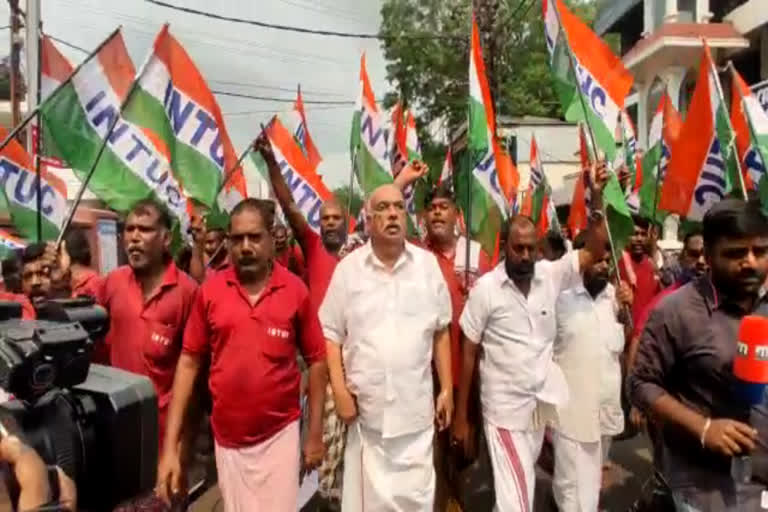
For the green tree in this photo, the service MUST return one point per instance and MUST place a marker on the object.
(430, 73)
(342, 196)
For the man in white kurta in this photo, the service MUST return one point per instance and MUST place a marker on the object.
(385, 314)
(587, 348)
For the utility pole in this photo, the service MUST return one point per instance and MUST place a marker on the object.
(15, 75)
(33, 30)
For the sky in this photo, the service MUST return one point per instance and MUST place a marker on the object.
(247, 59)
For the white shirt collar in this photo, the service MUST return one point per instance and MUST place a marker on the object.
(371, 259)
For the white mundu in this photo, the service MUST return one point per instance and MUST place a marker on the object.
(385, 322)
(517, 373)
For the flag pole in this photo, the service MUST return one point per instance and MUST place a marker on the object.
(39, 149)
(71, 213)
(468, 214)
(732, 143)
(664, 100)
(33, 113)
(758, 148)
(351, 185)
(571, 61)
(231, 171)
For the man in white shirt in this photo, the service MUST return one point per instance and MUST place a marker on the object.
(385, 315)
(587, 348)
(511, 314)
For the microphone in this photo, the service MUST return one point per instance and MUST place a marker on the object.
(750, 366)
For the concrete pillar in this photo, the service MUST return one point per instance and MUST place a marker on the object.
(670, 11)
(703, 14)
(647, 17)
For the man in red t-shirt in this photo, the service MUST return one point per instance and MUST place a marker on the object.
(286, 253)
(636, 268)
(83, 279)
(251, 318)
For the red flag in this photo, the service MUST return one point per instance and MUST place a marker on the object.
(577, 217)
(302, 134)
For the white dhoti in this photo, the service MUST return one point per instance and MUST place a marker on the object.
(513, 456)
(263, 477)
(388, 475)
(578, 474)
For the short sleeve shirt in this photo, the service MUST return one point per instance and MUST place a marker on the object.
(319, 265)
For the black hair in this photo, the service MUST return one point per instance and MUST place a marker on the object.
(690, 234)
(556, 243)
(142, 207)
(441, 191)
(733, 218)
(264, 207)
(78, 247)
(641, 222)
(32, 252)
(580, 241)
(11, 264)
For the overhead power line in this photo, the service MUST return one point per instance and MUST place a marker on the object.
(280, 100)
(301, 30)
(66, 43)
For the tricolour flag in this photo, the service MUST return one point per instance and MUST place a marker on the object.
(600, 77)
(538, 187)
(631, 161)
(750, 122)
(369, 139)
(577, 216)
(698, 174)
(173, 101)
(446, 174)
(10, 244)
(301, 133)
(55, 69)
(488, 203)
(19, 184)
(131, 168)
(664, 132)
(308, 190)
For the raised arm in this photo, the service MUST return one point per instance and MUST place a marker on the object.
(282, 193)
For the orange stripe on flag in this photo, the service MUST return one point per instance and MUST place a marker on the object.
(740, 123)
(53, 63)
(592, 52)
(477, 55)
(295, 157)
(117, 65)
(367, 89)
(692, 147)
(14, 152)
(509, 178)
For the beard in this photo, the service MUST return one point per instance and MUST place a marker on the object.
(522, 271)
(596, 285)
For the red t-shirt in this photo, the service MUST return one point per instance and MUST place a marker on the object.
(254, 378)
(145, 336)
(27, 310)
(86, 282)
(643, 317)
(644, 288)
(320, 265)
(455, 280)
(293, 260)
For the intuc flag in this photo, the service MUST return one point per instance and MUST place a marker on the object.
(632, 162)
(9, 244)
(600, 76)
(173, 101)
(698, 173)
(308, 190)
(446, 175)
(131, 168)
(369, 142)
(665, 130)
(406, 148)
(301, 133)
(539, 189)
(19, 183)
(55, 69)
(577, 217)
(488, 206)
(750, 122)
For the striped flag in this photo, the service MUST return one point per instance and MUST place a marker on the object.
(539, 190)
(173, 101)
(632, 162)
(600, 76)
(664, 132)
(19, 183)
(488, 203)
(369, 140)
(10, 244)
(132, 167)
(750, 122)
(308, 190)
(54, 70)
(446, 175)
(301, 133)
(577, 216)
(698, 174)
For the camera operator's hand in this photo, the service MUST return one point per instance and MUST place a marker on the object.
(31, 475)
(171, 478)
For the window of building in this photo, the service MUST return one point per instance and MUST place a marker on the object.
(659, 9)
(686, 11)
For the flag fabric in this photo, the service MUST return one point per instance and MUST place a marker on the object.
(308, 190)
(631, 162)
(538, 187)
(369, 140)
(54, 70)
(600, 77)
(664, 132)
(405, 149)
(446, 174)
(488, 206)
(173, 101)
(750, 122)
(698, 174)
(301, 133)
(509, 178)
(131, 168)
(19, 183)
(577, 216)
(10, 244)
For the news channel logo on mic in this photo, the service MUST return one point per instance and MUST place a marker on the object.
(750, 366)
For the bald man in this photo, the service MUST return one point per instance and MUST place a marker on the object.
(386, 317)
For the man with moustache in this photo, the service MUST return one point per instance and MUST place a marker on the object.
(683, 376)
(250, 319)
(510, 313)
(385, 317)
(589, 358)
(637, 269)
(36, 273)
(286, 253)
